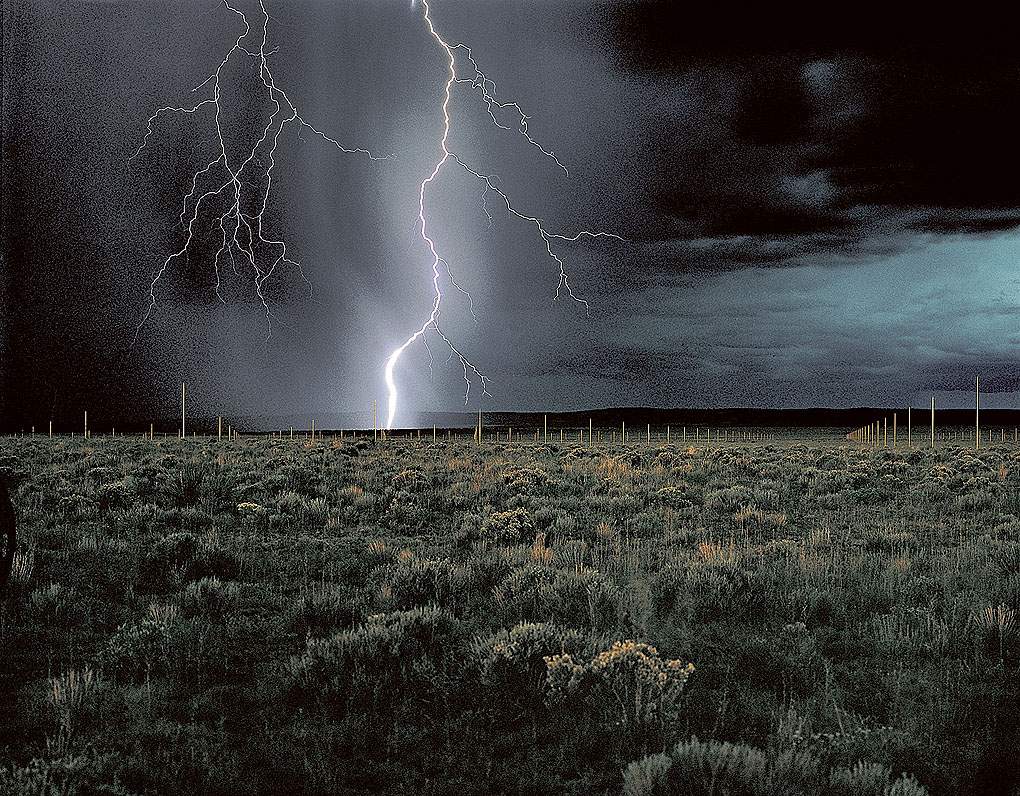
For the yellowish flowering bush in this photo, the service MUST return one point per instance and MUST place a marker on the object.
(630, 684)
(509, 527)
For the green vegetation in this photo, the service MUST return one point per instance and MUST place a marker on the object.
(266, 616)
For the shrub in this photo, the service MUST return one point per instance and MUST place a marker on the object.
(628, 686)
(253, 515)
(583, 598)
(512, 662)
(526, 481)
(728, 500)
(703, 589)
(85, 773)
(525, 594)
(325, 608)
(416, 581)
(183, 488)
(399, 657)
(411, 480)
(509, 527)
(180, 556)
(706, 768)
(142, 648)
(208, 597)
(55, 605)
(71, 695)
(172, 555)
(677, 499)
(112, 495)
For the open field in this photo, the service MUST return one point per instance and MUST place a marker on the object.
(283, 616)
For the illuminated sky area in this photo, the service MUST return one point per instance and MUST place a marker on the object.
(814, 214)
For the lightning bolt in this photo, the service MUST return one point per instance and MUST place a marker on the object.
(480, 83)
(238, 185)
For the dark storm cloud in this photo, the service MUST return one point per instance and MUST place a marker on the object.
(804, 133)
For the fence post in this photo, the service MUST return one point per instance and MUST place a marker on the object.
(977, 413)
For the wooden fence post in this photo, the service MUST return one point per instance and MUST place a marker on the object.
(977, 412)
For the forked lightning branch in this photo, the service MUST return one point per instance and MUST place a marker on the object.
(232, 191)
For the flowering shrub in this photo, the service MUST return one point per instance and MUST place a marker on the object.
(629, 685)
(526, 481)
(509, 527)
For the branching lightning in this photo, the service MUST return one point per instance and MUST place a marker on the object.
(486, 88)
(242, 181)
(233, 188)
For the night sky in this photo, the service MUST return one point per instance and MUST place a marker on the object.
(819, 210)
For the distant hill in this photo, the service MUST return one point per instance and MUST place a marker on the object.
(732, 417)
(637, 418)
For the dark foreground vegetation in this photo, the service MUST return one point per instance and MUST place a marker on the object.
(276, 617)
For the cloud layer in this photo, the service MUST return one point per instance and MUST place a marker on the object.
(788, 134)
